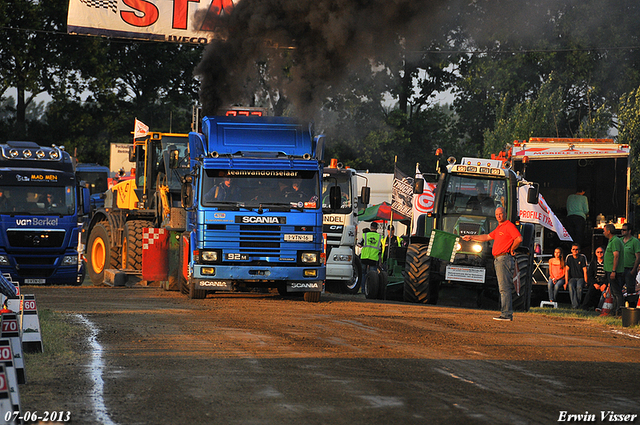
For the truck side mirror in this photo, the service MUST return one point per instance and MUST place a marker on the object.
(335, 197)
(132, 154)
(533, 195)
(365, 195)
(174, 159)
(186, 192)
(86, 200)
(418, 186)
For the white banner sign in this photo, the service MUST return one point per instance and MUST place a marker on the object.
(540, 214)
(178, 21)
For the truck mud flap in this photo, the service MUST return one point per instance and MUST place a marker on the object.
(214, 284)
(304, 287)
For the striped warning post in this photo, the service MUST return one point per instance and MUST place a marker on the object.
(27, 310)
(6, 407)
(6, 358)
(10, 329)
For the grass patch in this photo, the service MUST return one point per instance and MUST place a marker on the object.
(581, 314)
(62, 339)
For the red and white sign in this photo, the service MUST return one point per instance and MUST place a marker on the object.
(423, 203)
(177, 21)
(140, 129)
(540, 214)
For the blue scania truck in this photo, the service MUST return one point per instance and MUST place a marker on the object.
(254, 213)
(41, 210)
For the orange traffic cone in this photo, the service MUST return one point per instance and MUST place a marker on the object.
(608, 304)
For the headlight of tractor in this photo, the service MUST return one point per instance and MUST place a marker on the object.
(70, 260)
(309, 257)
(476, 248)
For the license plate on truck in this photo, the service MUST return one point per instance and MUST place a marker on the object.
(465, 274)
(35, 281)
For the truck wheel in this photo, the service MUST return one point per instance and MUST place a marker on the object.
(100, 255)
(183, 287)
(522, 302)
(312, 297)
(371, 284)
(196, 294)
(419, 284)
(354, 286)
(132, 244)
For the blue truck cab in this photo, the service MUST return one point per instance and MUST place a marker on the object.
(254, 214)
(41, 209)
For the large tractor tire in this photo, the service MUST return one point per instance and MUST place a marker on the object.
(420, 286)
(354, 286)
(132, 244)
(100, 254)
(524, 264)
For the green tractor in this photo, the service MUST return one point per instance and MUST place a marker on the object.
(466, 197)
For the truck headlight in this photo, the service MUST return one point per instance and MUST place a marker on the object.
(342, 257)
(70, 260)
(209, 256)
(309, 257)
(4, 260)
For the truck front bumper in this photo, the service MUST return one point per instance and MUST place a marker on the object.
(297, 279)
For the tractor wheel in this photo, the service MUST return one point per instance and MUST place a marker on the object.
(354, 286)
(132, 244)
(100, 254)
(420, 286)
(196, 294)
(312, 297)
(522, 302)
(371, 284)
(383, 281)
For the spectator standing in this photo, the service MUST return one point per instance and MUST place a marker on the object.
(370, 254)
(631, 257)
(614, 267)
(506, 239)
(577, 211)
(556, 274)
(390, 242)
(597, 280)
(575, 274)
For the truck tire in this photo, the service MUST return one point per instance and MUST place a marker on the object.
(354, 286)
(312, 297)
(132, 244)
(419, 284)
(522, 302)
(371, 284)
(196, 294)
(100, 254)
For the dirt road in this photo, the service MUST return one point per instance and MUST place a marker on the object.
(159, 358)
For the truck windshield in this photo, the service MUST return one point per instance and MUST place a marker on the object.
(252, 188)
(37, 200)
(471, 202)
(344, 182)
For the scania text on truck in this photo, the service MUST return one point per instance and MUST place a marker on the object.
(344, 270)
(41, 210)
(254, 213)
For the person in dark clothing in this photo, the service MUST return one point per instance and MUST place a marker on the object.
(597, 280)
(575, 275)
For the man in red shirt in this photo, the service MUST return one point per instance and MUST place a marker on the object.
(506, 239)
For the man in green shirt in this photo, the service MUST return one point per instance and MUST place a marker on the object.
(631, 257)
(577, 210)
(614, 267)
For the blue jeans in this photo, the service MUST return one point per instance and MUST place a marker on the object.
(505, 266)
(575, 291)
(554, 288)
